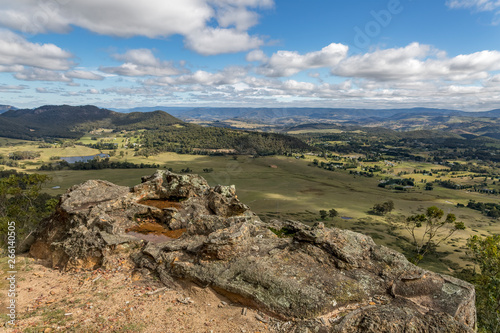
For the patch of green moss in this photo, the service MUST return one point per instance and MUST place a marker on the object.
(283, 232)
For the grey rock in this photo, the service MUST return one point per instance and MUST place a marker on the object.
(317, 279)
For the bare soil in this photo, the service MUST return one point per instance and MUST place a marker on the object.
(121, 299)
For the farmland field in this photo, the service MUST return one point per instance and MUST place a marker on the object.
(291, 188)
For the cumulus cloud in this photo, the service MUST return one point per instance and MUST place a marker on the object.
(141, 62)
(43, 90)
(17, 51)
(256, 55)
(11, 88)
(192, 19)
(212, 41)
(287, 63)
(92, 91)
(38, 74)
(230, 75)
(83, 75)
(418, 62)
(11, 69)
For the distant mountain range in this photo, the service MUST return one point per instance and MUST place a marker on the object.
(287, 115)
(5, 108)
(72, 121)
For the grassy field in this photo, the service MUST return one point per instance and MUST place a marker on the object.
(292, 189)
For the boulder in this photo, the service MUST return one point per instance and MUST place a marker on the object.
(320, 279)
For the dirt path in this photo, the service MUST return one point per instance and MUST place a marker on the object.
(118, 300)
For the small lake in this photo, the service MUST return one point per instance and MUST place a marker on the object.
(346, 218)
(74, 159)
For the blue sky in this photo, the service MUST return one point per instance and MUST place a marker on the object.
(255, 53)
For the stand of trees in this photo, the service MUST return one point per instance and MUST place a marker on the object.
(487, 208)
(383, 208)
(193, 139)
(96, 164)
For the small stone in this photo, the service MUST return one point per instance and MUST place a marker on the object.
(260, 318)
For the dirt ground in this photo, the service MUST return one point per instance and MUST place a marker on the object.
(122, 300)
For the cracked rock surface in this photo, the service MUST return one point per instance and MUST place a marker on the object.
(320, 279)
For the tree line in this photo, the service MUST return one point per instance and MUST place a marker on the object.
(96, 164)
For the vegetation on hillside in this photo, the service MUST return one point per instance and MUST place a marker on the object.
(64, 121)
(22, 202)
(195, 139)
(485, 252)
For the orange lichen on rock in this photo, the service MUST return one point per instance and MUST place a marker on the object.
(156, 229)
(161, 204)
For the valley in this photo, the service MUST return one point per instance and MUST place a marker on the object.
(343, 170)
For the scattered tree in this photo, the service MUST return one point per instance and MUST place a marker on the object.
(323, 214)
(383, 208)
(435, 230)
(333, 213)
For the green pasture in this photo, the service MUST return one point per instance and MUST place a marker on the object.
(294, 190)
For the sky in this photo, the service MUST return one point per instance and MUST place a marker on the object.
(251, 53)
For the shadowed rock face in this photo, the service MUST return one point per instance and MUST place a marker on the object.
(327, 280)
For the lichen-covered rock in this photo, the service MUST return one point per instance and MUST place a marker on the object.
(93, 218)
(326, 280)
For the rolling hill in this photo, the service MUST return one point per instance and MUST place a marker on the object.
(66, 121)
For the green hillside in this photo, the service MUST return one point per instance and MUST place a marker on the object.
(66, 121)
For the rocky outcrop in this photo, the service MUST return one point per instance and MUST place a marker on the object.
(322, 279)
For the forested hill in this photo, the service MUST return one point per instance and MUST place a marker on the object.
(163, 131)
(66, 121)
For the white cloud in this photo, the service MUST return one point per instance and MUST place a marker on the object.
(141, 62)
(212, 41)
(418, 62)
(17, 51)
(43, 90)
(287, 63)
(38, 74)
(230, 75)
(12, 88)
(83, 75)
(192, 19)
(90, 91)
(256, 55)
(478, 5)
(11, 69)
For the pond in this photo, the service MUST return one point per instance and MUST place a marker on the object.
(74, 159)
